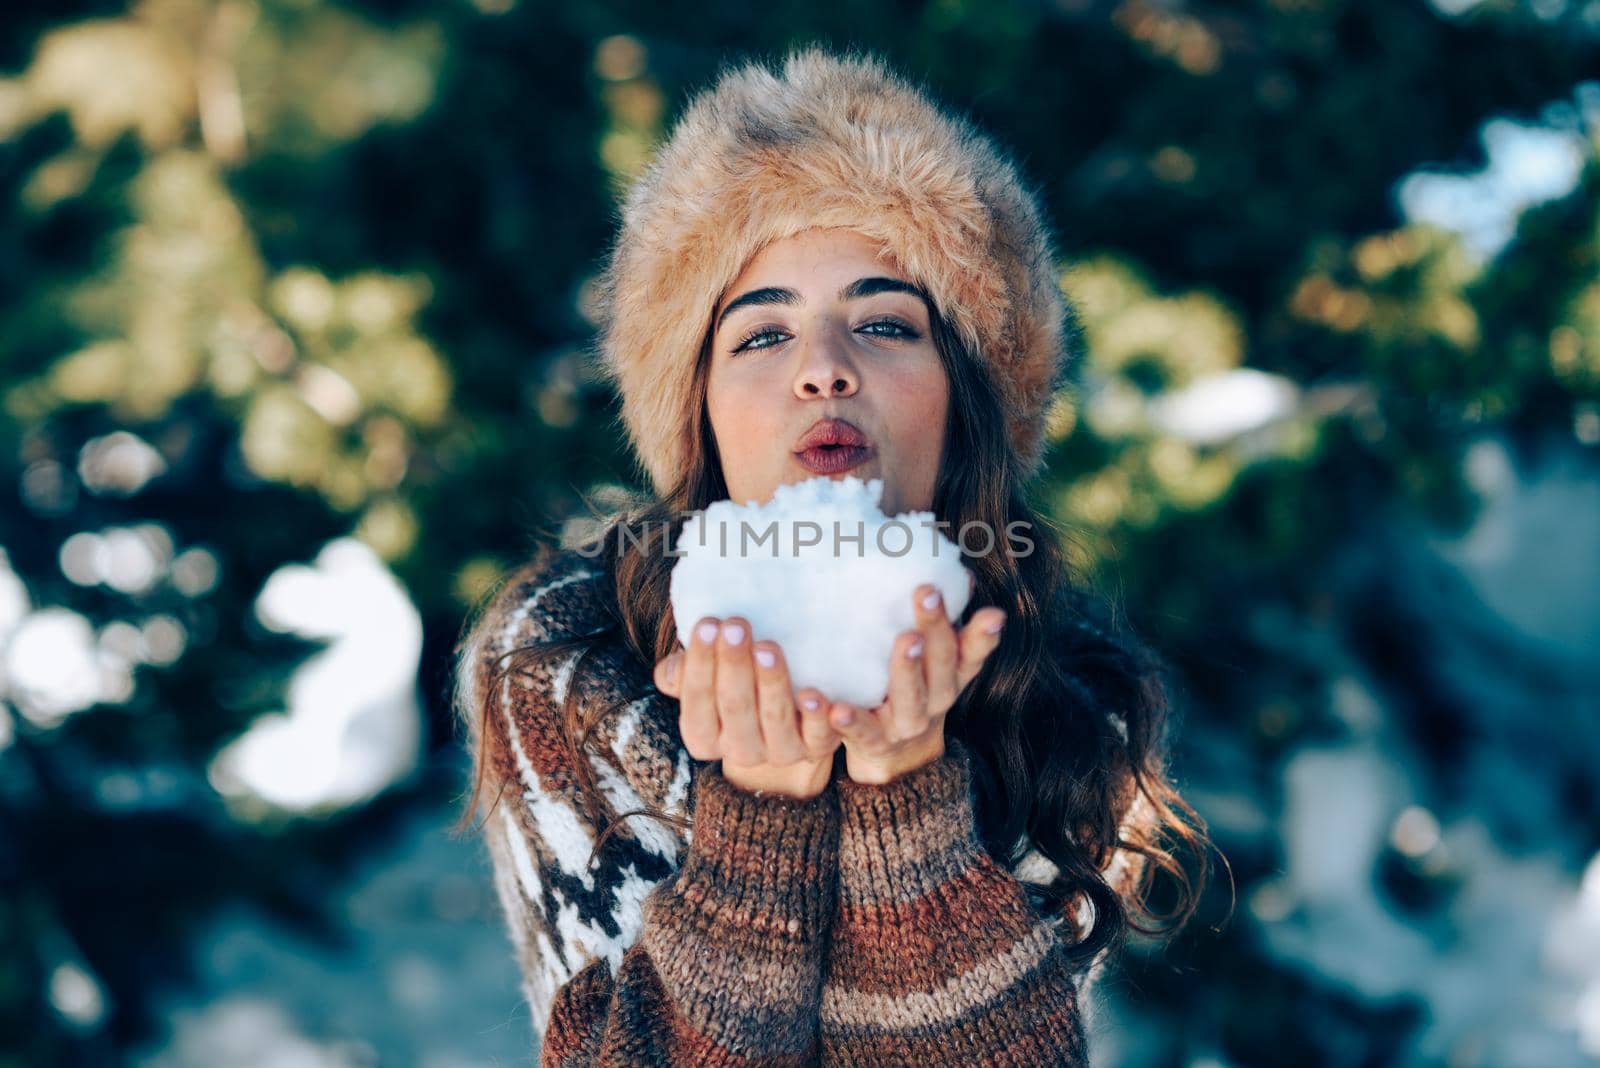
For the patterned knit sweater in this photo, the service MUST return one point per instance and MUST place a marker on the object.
(865, 926)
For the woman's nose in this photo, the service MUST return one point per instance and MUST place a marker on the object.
(824, 371)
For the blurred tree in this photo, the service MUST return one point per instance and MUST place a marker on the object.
(279, 272)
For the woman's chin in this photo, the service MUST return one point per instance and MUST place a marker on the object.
(797, 472)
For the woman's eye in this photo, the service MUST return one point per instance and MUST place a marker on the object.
(747, 342)
(896, 328)
(892, 328)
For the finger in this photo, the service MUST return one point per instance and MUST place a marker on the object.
(736, 695)
(780, 727)
(697, 713)
(977, 642)
(908, 690)
(860, 728)
(941, 650)
(669, 673)
(816, 733)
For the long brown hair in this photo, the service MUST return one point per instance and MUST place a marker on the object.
(1050, 765)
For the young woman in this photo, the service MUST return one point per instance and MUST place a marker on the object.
(821, 273)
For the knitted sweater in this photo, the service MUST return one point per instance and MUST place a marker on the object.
(864, 926)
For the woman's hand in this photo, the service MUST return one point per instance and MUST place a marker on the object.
(740, 708)
(930, 667)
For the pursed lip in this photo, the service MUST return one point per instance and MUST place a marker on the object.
(831, 432)
(833, 460)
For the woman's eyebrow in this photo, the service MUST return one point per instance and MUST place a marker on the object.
(861, 287)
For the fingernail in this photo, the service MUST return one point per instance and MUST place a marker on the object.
(914, 650)
(734, 632)
(708, 632)
(846, 718)
(994, 628)
(809, 704)
(931, 601)
(765, 658)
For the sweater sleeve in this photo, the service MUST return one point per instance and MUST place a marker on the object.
(727, 968)
(937, 955)
(666, 947)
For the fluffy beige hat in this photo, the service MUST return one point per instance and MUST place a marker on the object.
(830, 140)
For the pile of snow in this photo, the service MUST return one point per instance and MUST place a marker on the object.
(821, 571)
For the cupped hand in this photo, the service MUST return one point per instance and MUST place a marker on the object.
(930, 666)
(737, 705)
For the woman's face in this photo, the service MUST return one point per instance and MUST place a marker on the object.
(817, 327)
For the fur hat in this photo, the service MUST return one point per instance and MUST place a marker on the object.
(831, 140)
